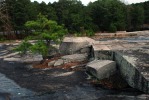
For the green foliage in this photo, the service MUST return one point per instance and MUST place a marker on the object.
(112, 28)
(39, 47)
(137, 13)
(2, 38)
(146, 12)
(90, 33)
(72, 14)
(46, 31)
(24, 47)
(85, 33)
(106, 12)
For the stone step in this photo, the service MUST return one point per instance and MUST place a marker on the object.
(102, 68)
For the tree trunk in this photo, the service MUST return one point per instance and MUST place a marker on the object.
(48, 42)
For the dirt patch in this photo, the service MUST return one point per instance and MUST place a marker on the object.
(44, 64)
(77, 65)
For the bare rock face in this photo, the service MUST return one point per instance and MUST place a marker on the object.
(72, 45)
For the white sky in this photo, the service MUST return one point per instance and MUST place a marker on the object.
(85, 2)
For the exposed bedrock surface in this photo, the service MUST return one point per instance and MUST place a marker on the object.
(77, 85)
(133, 66)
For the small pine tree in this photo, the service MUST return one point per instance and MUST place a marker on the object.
(46, 31)
(23, 47)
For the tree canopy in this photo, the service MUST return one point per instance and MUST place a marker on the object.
(101, 15)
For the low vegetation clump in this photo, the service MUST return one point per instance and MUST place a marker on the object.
(2, 38)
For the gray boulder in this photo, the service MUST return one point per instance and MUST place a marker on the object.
(74, 57)
(59, 62)
(72, 45)
(51, 63)
(102, 68)
(85, 50)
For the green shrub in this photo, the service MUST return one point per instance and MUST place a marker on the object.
(90, 33)
(39, 47)
(78, 34)
(23, 47)
(44, 32)
(112, 28)
(2, 38)
(86, 33)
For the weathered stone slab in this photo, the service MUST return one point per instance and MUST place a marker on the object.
(102, 68)
(131, 56)
(134, 67)
(72, 45)
(24, 59)
(59, 62)
(75, 57)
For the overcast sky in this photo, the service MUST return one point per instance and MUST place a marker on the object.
(85, 2)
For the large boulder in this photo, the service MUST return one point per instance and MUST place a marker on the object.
(102, 68)
(72, 45)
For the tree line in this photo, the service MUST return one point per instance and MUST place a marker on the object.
(98, 16)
